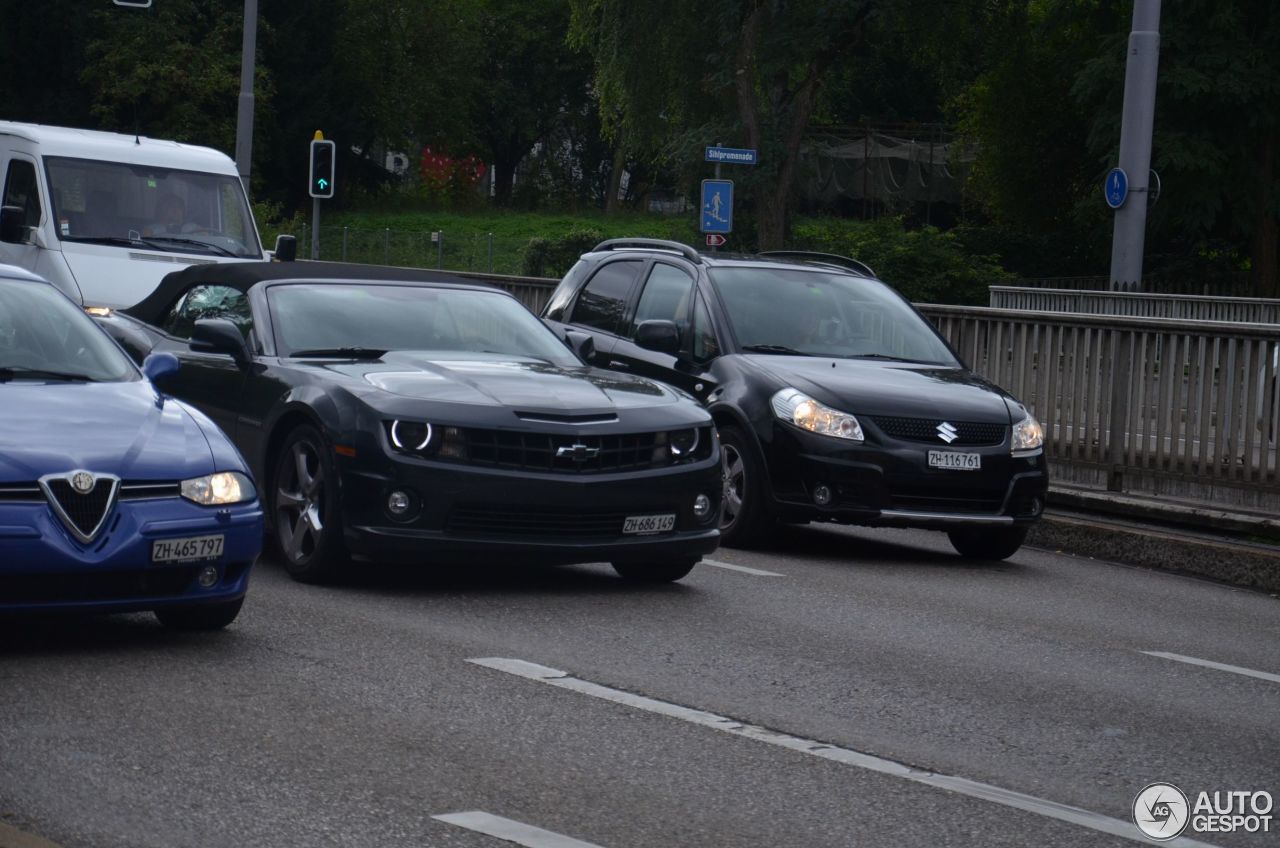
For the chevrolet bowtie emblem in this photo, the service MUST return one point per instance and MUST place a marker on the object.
(578, 453)
(947, 432)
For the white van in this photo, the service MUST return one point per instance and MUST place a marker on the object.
(105, 216)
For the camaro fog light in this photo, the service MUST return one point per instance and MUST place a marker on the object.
(795, 407)
(1027, 435)
(208, 576)
(227, 487)
(821, 495)
(702, 506)
(399, 503)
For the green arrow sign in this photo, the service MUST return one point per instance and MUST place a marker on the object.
(323, 183)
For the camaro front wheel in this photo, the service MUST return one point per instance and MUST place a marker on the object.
(304, 508)
(200, 616)
(988, 543)
(654, 572)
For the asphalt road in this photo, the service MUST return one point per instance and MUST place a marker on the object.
(353, 715)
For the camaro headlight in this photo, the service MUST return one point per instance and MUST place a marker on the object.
(1027, 434)
(225, 487)
(806, 413)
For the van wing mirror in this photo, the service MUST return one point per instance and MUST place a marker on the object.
(286, 249)
(12, 224)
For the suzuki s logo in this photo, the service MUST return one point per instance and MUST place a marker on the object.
(947, 432)
(578, 453)
(82, 482)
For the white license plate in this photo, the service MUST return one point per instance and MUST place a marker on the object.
(955, 461)
(191, 549)
(642, 524)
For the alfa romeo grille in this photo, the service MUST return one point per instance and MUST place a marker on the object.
(82, 514)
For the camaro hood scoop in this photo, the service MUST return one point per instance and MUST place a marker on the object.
(106, 428)
(882, 387)
(530, 386)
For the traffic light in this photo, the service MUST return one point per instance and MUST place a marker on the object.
(322, 156)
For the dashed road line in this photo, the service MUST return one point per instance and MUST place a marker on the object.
(1234, 669)
(812, 747)
(512, 830)
(715, 563)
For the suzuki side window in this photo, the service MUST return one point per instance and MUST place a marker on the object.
(20, 189)
(666, 297)
(705, 346)
(603, 302)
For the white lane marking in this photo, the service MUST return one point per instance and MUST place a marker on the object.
(715, 563)
(812, 747)
(1234, 669)
(512, 830)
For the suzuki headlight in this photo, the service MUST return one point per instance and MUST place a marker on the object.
(797, 408)
(1027, 435)
(226, 487)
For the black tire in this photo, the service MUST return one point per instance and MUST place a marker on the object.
(654, 572)
(744, 515)
(988, 543)
(200, 616)
(305, 513)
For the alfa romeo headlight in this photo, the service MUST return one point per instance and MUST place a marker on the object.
(225, 487)
(795, 407)
(1027, 435)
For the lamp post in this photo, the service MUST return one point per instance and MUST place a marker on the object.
(244, 117)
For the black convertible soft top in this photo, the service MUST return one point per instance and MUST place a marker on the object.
(245, 275)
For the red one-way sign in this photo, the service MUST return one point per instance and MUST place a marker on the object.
(715, 240)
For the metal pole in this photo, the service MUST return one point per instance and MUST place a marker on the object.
(315, 228)
(244, 115)
(440, 251)
(1129, 233)
(386, 246)
(344, 243)
(490, 253)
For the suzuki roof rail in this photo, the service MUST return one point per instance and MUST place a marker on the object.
(659, 244)
(825, 258)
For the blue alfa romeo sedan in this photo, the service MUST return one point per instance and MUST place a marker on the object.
(113, 496)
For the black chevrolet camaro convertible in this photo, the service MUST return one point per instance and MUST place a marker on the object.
(403, 418)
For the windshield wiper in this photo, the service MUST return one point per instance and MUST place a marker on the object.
(9, 373)
(886, 356)
(216, 248)
(772, 348)
(121, 240)
(341, 352)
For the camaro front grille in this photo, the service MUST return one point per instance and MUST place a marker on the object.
(968, 434)
(566, 454)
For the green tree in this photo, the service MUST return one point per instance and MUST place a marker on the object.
(672, 76)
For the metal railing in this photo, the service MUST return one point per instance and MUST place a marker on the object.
(1246, 310)
(1176, 408)
(1217, 285)
(480, 252)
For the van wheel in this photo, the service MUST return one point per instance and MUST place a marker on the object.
(744, 517)
(305, 510)
(992, 543)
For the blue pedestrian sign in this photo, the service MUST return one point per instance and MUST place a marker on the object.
(717, 206)
(732, 155)
(1116, 188)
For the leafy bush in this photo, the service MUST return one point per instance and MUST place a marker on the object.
(272, 222)
(553, 257)
(927, 265)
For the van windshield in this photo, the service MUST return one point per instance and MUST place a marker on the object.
(148, 208)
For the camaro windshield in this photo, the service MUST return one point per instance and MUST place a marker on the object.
(44, 336)
(379, 317)
(812, 313)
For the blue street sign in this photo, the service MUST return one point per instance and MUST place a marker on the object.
(731, 155)
(717, 206)
(1116, 188)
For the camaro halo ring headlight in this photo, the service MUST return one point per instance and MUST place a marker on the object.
(683, 442)
(797, 408)
(410, 435)
(1028, 435)
(225, 487)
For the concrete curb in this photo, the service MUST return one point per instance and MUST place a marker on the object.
(1239, 564)
(11, 837)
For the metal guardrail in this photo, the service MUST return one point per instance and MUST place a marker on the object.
(1244, 310)
(1176, 408)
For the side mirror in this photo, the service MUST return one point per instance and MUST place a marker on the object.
(12, 224)
(286, 249)
(157, 365)
(581, 344)
(660, 336)
(218, 335)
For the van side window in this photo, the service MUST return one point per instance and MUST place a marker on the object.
(207, 302)
(20, 190)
